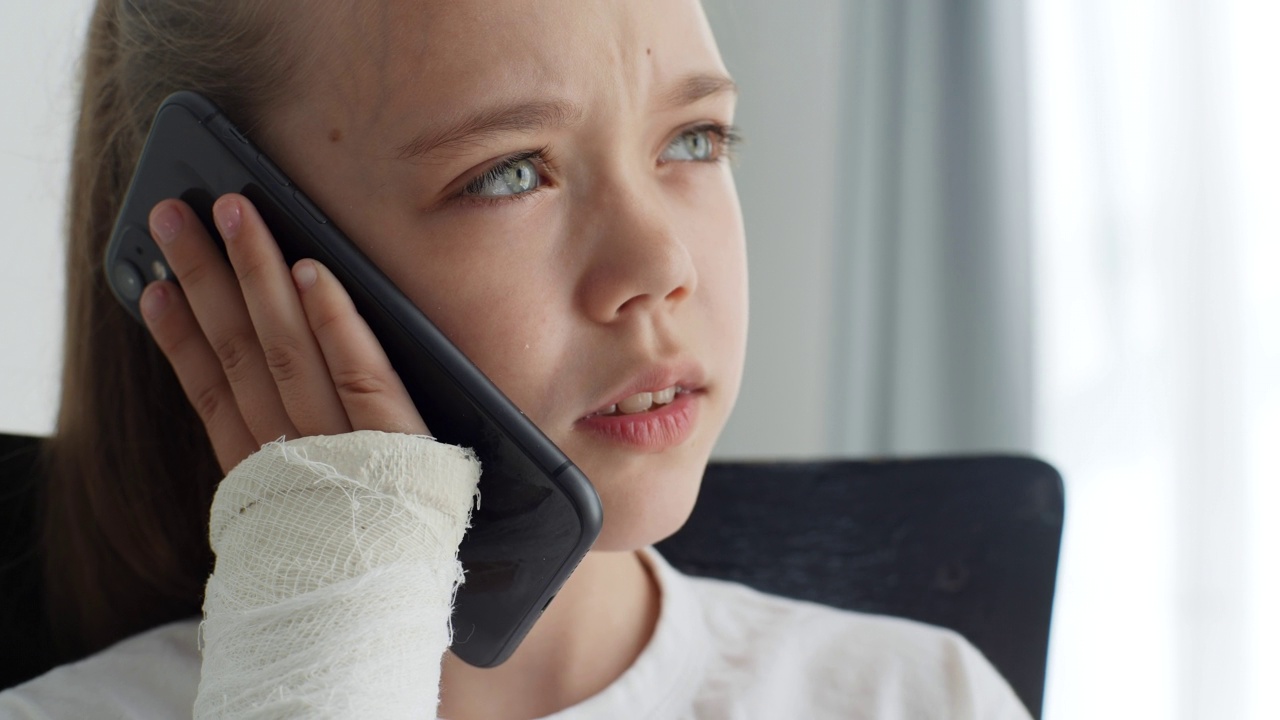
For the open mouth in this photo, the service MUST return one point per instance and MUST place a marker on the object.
(642, 402)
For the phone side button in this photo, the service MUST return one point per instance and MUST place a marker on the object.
(310, 207)
(229, 131)
(274, 171)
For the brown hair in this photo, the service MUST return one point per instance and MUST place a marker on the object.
(130, 473)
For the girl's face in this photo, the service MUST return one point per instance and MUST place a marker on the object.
(547, 181)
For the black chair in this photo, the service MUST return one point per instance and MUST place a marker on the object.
(969, 544)
(965, 543)
(25, 649)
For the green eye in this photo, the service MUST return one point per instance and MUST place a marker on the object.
(515, 176)
(698, 144)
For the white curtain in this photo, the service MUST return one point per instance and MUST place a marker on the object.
(1128, 331)
(1156, 256)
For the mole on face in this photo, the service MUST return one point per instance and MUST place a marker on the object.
(335, 135)
(648, 51)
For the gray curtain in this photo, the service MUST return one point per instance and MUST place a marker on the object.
(932, 346)
(883, 182)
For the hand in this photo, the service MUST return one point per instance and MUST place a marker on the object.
(262, 351)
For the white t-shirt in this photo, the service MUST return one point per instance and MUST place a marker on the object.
(720, 650)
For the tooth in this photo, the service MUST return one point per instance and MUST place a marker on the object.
(662, 397)
(609, 410)
(636, 403)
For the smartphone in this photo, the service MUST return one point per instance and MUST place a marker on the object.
(538, 514)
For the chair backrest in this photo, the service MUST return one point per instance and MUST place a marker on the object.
(965, 543)
(24, 644)
(969, 544)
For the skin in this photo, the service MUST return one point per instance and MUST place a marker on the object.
(625, 257)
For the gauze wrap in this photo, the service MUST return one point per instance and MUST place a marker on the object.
(335, 575)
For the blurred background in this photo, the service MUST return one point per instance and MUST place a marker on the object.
(1031, 226)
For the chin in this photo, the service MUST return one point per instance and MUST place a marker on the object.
(642, 508)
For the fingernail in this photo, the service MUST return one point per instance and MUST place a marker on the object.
(304, 274)
(227, 214)
(153, 302)
(166, 223)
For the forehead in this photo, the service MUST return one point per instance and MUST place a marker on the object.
(386, 63)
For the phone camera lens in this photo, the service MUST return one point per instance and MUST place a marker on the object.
(127, 280)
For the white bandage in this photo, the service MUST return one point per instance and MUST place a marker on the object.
(336, 569)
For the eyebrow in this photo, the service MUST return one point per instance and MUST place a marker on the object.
(536, 115)
(698, 86)
(521, 117)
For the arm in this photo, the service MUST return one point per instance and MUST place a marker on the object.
(263, 352)
(336, 569)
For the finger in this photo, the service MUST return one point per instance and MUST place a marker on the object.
(289, 349)
(370, 389)
(214, 297)
(183, 343)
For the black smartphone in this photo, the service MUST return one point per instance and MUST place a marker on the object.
(538, 514)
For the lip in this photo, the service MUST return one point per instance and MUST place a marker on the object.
(660, 427)
(653, 430)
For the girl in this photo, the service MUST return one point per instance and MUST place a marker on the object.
(549, 182)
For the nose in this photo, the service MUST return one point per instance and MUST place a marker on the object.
(639, 262)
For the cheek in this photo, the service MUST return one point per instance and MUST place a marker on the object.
(518, 338)
(498, 296)
(719, 252)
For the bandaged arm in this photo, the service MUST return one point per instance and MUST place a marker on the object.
(335, 575)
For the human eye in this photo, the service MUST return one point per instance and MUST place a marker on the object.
(516, 175)
(703, 143)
